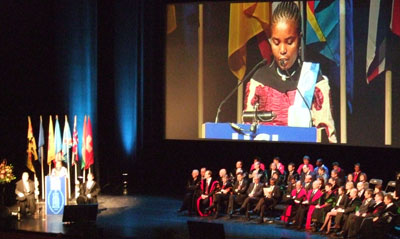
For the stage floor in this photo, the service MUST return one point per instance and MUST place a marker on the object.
(153, 217)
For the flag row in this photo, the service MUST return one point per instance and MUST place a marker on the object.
(59, 146)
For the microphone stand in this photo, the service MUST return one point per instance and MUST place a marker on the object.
(246, 78)
(253, 127)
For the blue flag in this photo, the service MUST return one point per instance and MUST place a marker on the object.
(322, 33)
(57, 140)
(41, 140)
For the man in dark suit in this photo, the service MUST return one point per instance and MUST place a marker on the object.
(306, 172)
(273, 168)
(368, 208)
(239, 193)
(291, 173)
(381, 223)
(272, 195)
(257, 171)
(307, 183)
(352, 203)
(254, 193)
(191, 186)
(338, 181)
(339, 171)
(361, 187)
(25, 191)
(88, 191)
(239, 168)
(221, 195)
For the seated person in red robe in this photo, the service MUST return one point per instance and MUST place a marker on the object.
(207, 188)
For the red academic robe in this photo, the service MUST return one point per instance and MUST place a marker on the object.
(312, 202)
(288, 211)
(209, 193)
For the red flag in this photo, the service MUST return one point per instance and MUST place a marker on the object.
(89, 145)
(75, 156)
(83, 162)
(395, 21)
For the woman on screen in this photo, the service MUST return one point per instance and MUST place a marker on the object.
(296, 92)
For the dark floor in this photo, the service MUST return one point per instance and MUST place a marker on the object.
(152, 217)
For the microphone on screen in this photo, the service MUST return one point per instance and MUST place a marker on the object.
(245, 79)
(282, 62)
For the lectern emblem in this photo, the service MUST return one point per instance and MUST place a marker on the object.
(56, 201)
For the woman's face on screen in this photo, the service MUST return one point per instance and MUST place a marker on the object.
(285, 42)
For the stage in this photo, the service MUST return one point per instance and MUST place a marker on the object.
(144, 217)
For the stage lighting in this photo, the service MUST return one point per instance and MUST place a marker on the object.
(125, 183)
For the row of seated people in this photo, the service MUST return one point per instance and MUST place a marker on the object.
(312, 200)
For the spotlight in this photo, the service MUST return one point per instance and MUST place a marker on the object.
(125, 183)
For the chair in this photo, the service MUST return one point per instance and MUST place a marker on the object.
(376, 181)
(391, 184)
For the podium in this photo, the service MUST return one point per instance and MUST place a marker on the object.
(263, 133)
(56, 195)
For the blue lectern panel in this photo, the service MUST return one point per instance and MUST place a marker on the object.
(263, 132)
(55, 195)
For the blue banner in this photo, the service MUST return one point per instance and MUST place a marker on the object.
(56, 195)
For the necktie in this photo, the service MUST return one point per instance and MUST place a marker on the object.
(254, 189)
(207, 184)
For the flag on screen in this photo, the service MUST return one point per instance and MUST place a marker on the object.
(395, 21)
(51, 149)
(323, 27)
(32, 153)
(67, 140)
(75, 141)
(322, 34)
(57, 140)
(246, 21)
(41, 141)
(378, 29)
(83, 162)
(89, 159)
(171, 18)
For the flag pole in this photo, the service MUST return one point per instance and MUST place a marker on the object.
(69, 176)
(343, 97)
(84, 175)
(42, 169)
(74, 155)
(68, 167)
(388, 107)
(200, 83)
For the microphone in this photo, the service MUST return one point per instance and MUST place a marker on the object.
(237, 128)
(263, 116)
(246, 78)
(282, 62)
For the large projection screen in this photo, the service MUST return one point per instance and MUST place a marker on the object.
(211, 45)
